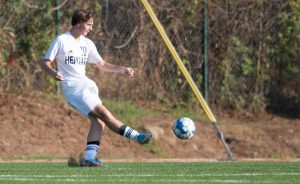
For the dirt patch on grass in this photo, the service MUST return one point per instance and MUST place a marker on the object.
(36, 127)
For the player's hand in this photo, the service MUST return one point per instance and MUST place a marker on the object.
(129, 71)
(58, 76)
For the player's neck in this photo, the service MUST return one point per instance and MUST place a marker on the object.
(75, 33)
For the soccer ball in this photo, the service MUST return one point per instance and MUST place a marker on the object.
(184, 128)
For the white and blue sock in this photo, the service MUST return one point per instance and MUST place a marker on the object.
(128, 132)
(91, 151)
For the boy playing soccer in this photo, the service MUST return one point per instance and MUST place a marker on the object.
(72, 50)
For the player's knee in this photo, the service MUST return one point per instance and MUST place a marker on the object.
(102, 113)
(97, 112)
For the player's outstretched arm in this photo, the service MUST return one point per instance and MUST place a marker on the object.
(115, 68)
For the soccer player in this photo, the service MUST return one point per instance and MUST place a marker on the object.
(72, 51)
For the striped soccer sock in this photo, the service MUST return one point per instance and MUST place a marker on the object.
(128, 132)
(92, 149)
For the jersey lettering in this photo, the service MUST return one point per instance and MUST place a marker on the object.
(75, 60)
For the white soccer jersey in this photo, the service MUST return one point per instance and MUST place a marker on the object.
(71, 55)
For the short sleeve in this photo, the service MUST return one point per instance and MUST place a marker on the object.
(53, 50)
(94, 56)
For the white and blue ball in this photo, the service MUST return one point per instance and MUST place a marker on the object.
(184, 128)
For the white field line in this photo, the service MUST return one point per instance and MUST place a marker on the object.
(141, 180)
(186, 160)
(134, 180)
(144, 178)
(149, 175)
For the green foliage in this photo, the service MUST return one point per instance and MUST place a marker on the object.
(284, 64)
(28, 34)
(237, 68)
(253, 48)
(8, 9)
(286, 52)
(191, 10)
(35, 32)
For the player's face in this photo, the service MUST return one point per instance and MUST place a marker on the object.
(86, 27)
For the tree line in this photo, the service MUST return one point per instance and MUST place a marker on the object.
(253, 49)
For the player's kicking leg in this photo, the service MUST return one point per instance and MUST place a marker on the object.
(118, 127)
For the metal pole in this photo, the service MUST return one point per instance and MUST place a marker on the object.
(205, 51)
(57, 32)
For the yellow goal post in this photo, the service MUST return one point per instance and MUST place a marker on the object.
(186, 74)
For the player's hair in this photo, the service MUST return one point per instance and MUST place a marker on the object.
(81, 16)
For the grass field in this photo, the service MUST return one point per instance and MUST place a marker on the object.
(195, 172)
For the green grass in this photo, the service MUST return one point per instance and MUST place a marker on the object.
(127, 111)
(195, 114)
(206, 172)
